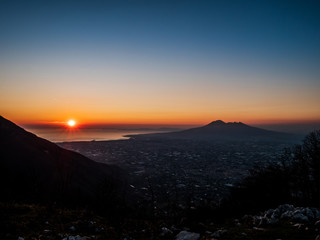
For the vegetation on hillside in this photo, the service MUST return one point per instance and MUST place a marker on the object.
(294, 179)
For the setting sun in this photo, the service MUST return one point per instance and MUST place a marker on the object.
(71, 123)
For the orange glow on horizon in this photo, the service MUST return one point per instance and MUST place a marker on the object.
(162, 119)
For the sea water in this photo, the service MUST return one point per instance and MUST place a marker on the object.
(62, 134)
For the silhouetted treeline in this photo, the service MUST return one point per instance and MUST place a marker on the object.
(295, 179)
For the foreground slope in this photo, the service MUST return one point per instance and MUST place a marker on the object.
(34, 169)
(219, 130)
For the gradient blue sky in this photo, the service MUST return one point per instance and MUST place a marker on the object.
(160, 61)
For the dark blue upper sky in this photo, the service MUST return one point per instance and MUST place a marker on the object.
(272, 39)
(251, 30)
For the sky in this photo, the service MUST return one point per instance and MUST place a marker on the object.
(160, 62)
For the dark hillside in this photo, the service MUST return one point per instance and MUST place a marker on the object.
(34, 169)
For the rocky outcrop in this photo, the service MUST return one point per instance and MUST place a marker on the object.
(185, 235)
(77, 238)
(284, 212)
(219, 233)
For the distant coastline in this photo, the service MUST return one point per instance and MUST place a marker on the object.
(59, 134)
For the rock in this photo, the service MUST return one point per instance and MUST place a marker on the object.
(286, 207)
(247, 219)
(174, 228)
(317, 237)
(256, 220)
(76, 238)
(91, 224)
(317, 226)
(276, 213)
(72, 228)
(47, 231)
(316, 213)
(285, 211)
(273, 220)
(219, 233)
(20, 238)
(286, 215)
(184, 235)
(308, 213)
(237, 223)
(299, 217)
(216, 234)
(165, 232)
(264, 221)
(99, 230)
(258, 229)
(298, 225)
(268, 213)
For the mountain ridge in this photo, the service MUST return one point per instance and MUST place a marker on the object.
(220, 130)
